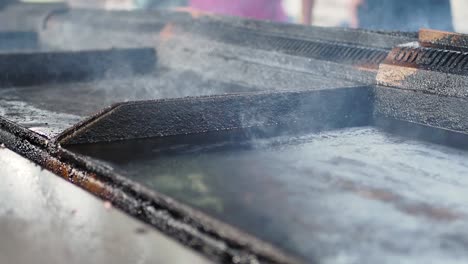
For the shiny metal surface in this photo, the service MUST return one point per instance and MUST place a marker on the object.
(44, 219)
(356, 195)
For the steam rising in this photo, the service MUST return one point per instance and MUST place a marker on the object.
(336, 196)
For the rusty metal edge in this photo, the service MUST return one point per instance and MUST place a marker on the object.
(443, 39)
(206, 235)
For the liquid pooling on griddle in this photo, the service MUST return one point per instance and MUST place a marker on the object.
(354, 195)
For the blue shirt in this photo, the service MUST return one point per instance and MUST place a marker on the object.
(406, 15)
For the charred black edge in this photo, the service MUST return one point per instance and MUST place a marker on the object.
(63, 137)
(69, 132)
(217, 241)
(72, 135)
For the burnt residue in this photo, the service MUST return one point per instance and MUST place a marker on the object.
(429, 70)
(219, 242)
(243, 117)
(437, 64)
(448, 61)
(443, 40)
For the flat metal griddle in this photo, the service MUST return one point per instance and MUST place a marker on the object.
(58, 222)
(251, 174)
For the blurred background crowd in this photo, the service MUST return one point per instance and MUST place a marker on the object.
(406, 15)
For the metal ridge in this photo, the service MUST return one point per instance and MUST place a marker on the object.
(449, 61)
(263, 111)
(315, 48)
(214, 239)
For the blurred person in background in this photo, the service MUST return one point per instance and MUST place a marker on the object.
(307, 11)
(255, 9)
(405, 15)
